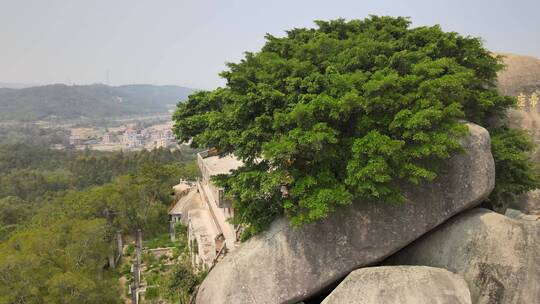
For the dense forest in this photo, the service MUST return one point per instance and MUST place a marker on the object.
(60, 209)
(32, 133)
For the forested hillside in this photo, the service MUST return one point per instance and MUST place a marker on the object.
(32, 133)
(91, 101)
(56, 226)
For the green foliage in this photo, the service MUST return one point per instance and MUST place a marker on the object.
(173, 277)
(149, 260)
(13, 212)
(347, 111)
(159, 241)
(91, 169)
(54, 179)
(55, 235)
(142, 199)
(31, 156)
(511, 149)
(181, 229)
(59, 264)
(83, 169)
(32, 134)
(31, 184)
(151, 293)
(182, 280)
(130, 249)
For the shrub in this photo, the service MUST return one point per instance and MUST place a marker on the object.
(125, 269)
(182, 280)
(511, 149)
(159, 241)
(130, 250)
(152, 278)
(151, 293)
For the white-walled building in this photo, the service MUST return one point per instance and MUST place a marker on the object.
(205, 210)
(132, 139)
(108, 138)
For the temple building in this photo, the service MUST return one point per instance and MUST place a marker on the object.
(205, 210)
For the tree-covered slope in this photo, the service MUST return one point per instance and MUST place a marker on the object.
(55, 227)
(92, 101)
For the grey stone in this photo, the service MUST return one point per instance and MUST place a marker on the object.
(496, 255)
(287, 265)
(401, 285)
(528, 203)
(518, 215)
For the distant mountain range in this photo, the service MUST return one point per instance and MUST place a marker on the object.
(13, 85)
(61, 101)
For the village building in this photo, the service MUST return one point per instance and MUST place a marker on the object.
(132, 139)
(155, 135)
(75, 140)
(206, 211)
(107, 138)
(167, 134)
(128, 136)
(162, 143)
(180, 191)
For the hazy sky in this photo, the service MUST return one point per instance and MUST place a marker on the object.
(187, 42)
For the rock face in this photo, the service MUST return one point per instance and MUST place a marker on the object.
(521, 74)
(518, 215)
(401, 285)
(528, 203)
(286, 265)
(496, 255)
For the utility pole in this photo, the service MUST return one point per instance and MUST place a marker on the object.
(172, 230)
(137, 264)
(110, 214)
(139, 245)
(119, 244)
(134, 298)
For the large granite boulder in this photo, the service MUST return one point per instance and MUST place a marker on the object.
(286, 265)
(401, 285)
(496, 255)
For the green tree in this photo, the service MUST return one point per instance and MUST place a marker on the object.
(31, 184)
(511, 149)
(31, 156)
(141, 199)
(13, 212)
(55, 232)
(61, 264)
(345, 111)
(92, 169)
(181, 282)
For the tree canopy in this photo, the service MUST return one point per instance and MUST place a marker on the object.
(345, 111)
(56, 229)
